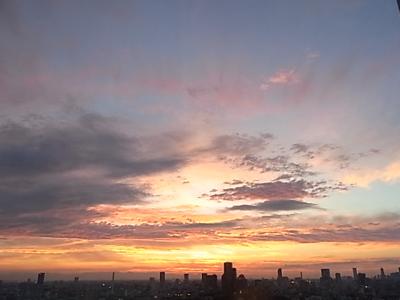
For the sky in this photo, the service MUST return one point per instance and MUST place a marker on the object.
(147, 136)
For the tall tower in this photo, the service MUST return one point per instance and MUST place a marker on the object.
(382, 273)
(325, 274)
(162, 278)
(186, 278)
(228, 280)
(40, 278)
(355, 274)
(280, 274)
(112, 282)
(338, 277)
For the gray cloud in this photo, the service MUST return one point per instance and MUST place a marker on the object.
(239, 144)
(77, 224)
(317, 235)
(276, 205)
(90, 144)
(273, 190)
(49, 167)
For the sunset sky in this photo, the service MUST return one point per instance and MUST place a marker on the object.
(147, 136)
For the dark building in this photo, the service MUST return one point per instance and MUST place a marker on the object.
(326, 278)
(186, 278)
(283, 281)
(382, 273)
(241, 283)
(76, 279)
(325, 274)
(279, 273)
(228, 280)
(211, 282)
(162, 278)
(338, 277)
(355, 274)
(203, 278)
(112, 282)
(40, 278)
(362, 279)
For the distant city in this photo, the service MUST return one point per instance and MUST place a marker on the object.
(229, 287)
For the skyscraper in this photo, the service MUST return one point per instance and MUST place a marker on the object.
(279, 274)
(211, 282)
(355, 275)
(112, 282)
(241, 283)
(186, 278)
(228, 280)
(382, 273)
(162, 278)
(40, 278)
(362, 278)
(203, 278)
(326, 274)
(338, 277)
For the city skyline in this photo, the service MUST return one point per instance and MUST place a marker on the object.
(139, 136)
(162, 277)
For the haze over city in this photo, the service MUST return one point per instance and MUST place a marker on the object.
(146, 136)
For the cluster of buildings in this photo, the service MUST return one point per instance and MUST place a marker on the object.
(229, 287)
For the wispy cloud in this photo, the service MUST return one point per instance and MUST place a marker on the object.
(275, 205)
(282, 77)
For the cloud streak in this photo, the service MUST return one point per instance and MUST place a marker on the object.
(275, 205)
(274, 190)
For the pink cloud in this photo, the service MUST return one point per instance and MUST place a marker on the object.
(282, 77)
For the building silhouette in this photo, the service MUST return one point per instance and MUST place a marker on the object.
(40, 278)
(186, 278)
(203, 278)
(325, 274)
(228, 280)
(162, 278)
(362, 279)
(241, 284)
(338, 277)
(279, 274)
(355, 275)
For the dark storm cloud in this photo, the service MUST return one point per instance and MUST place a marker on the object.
(60, 192)
(276, 205)
(83, 164)
(91, 143)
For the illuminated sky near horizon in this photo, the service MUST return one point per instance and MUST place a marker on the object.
(174, 135)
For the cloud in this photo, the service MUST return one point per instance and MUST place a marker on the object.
(313, 55)
(239, 144)
(276, 205)
(50, 166)
(282, 77)
(273, 190)
(318, 235)
(389, 173)
(90, 144)
(83, 225)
